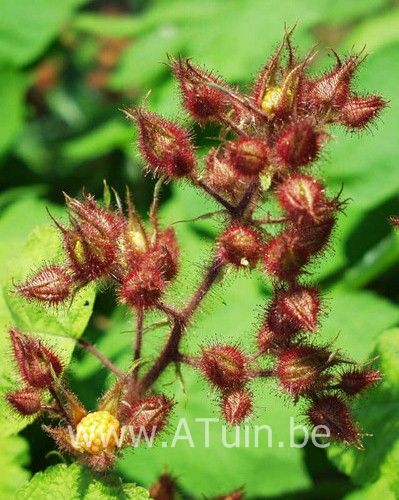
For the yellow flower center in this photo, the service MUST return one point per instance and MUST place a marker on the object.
(79, 252)
(271, 100)
(96, 432)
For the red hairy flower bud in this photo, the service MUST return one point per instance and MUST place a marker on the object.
(236, 406)
(266, 79)
(166, 254)
(26, 401)
(91, 243)
(294, 310)
(52, 284)
(165, 146)
(268, 340)
(276, 85)
(88, 212)
(315, 236)
(164, 488)
(142, 287)
(299, 369)
(248, 155)
(36, 362)
(224, 366)
(284, 255)
(298, 144)
(90, 255)
(355, 381)
(302, 196)
(358, 112)
(240, 245)
(148, 414)
(331, 90)
(333, 412)
(133, 243)
(201, 98)
(221, 176)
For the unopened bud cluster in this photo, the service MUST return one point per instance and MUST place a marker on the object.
(271, 138)
(109, 246)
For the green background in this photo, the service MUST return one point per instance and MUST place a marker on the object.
(67, 67)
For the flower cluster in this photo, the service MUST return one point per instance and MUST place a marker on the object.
(107, 245)
(270, 138)
(120, 420)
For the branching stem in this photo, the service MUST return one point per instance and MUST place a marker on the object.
(170, 352)
(216, 196)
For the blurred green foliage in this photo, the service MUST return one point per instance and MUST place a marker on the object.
(75, 481)
(67, 67)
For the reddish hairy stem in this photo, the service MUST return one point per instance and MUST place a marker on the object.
(246, 199)
(200, 183)
(170, 351)
(170, 312)
(188, 360)
(209, 278)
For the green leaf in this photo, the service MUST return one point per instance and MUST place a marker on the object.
(100, 25)
(357, 318)
(98, 142)
(161, 12)
(344, 11)
(15, 225)
(189, 205)
(13, 458)
(374, 262)
(27, 28)
(74, 481)
(57, 327)
(375, 32)
(13, 195)
(13, 84)
(378, 414)
(380, 489)
(140, 64)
